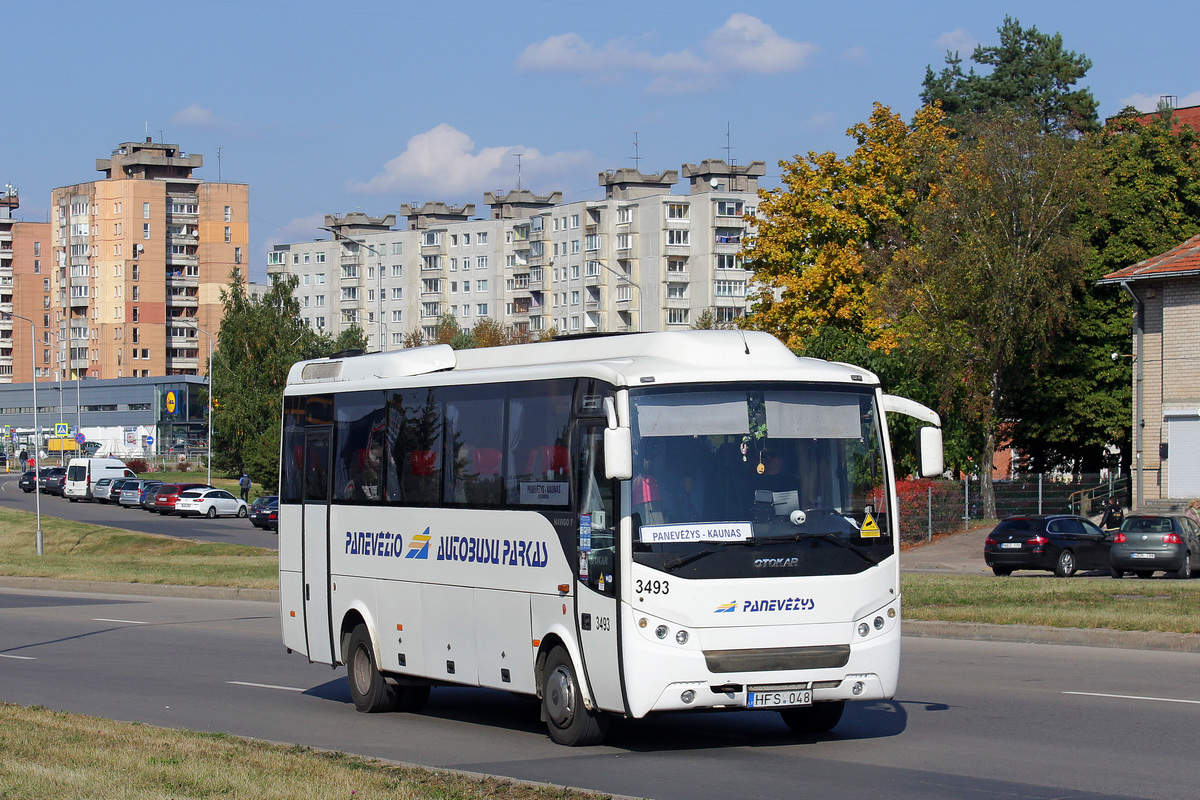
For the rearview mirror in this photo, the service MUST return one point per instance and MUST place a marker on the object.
(929, 452)
(618, 454)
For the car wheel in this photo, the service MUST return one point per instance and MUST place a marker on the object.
(1185, 569)
(242, 512)
(212, 512)
(368, 688)
(817, 718)
(1002, 572)
(569, 721)
(1116, 573)
(1065, 566)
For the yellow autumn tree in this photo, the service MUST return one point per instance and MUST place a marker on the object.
(824, 239)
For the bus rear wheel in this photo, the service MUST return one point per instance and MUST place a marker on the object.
(370, 692)
(817, 718)
(569, 721)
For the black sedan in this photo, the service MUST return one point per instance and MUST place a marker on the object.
(29, 480)
(52, 480)
(264, 512)
(1150, 543)
(1061, 543)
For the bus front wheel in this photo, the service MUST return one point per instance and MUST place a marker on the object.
(370, 692)
(817, 718)
(569, 721)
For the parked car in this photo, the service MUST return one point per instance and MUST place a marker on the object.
(113, 494)
(1061, 543)
(1146, 544)
(210, 503)
(264, 512)
(131, 492)
(49, 482)
(167, 495)
(100, 490)
(146, 499)
(29, 481)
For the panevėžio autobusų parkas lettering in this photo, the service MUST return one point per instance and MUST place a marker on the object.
(477, 550)
(374, 543)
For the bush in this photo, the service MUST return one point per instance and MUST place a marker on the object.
(914, 496)
(138, 465)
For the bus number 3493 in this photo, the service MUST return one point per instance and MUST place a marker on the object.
(653, 587)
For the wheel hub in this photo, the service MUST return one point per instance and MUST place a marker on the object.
(560, 697)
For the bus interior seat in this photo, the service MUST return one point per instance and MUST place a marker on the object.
(485, 461)
(552, 461)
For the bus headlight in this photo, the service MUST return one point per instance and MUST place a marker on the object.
(688, 696)
(681, 637)
(863, 629)
(661, 631)
(879, 623)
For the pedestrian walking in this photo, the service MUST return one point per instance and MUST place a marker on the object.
(244, 483)
(1193, 511)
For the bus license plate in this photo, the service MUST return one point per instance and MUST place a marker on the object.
(777, 697)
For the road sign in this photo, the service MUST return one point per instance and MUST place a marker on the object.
(80, 438)
(149, 441)
(62, 429)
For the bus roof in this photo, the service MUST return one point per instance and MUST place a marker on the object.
(638, 359)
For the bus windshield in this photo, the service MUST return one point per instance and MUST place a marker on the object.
(765, 481)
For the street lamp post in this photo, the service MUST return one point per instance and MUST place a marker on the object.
(37, 431)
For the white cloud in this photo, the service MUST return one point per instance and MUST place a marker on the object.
(444, 162)
(856, 55)
(197, 116)
(303, 229)
(957, 41)
(744, 44)
(1149, 102)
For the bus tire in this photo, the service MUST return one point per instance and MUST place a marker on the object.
(569, 721)
(370, 692)
(817, 718)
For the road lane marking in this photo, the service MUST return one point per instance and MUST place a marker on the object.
(122, 621)
(1135, 697)
(19, 658)
(265, 686)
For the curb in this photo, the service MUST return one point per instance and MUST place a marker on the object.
(1036, 634)
(142, 589)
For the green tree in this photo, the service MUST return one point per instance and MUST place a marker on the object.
(992, 280)
(1028, 68)
(257, 345)
(827, 236)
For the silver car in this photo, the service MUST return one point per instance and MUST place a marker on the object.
(131, 493)
(1149, 543)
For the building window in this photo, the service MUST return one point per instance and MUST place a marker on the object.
(677, 316)
(229, 213)
(145, 211)
(228, 235)
(320, 322)
(677, 237)
(729, 208)
(398, 293)
(624, 215)
(397, 270)
(237, 255)
(729, 288)
(482, 237)
(319, 279)
(676, 291)
(320, 300)
(397, 248)
(397, 316)
(677, 210)
(349, 292)
(728, 261)
(319, 258)
(146, 230)
(676, 265)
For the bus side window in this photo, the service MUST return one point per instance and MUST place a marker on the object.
(414, 445)
(537, 466)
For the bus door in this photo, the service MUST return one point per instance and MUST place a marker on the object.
(596, 569)
(315, 535)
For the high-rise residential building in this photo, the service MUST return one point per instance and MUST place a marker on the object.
(641, 259)
(139, 260)
(25, 293)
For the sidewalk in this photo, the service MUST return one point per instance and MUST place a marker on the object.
(953, 552)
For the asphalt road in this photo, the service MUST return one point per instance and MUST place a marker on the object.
(230, 530)
(971, 719)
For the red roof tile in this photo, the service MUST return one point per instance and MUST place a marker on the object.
(1179, 261)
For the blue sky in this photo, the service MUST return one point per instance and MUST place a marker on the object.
(330, 107)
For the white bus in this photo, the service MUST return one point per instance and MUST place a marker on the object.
(620, 525)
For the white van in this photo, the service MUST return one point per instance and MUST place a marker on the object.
(82, 474)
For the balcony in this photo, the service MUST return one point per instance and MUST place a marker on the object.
(183, 363)
(183, 300)
(177, 279)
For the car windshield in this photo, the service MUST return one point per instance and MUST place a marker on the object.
(727, 481)
(190, 495)
(1147, 525)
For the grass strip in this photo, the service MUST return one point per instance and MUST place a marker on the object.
(84, 551)
(1155, 604)
(47, 753)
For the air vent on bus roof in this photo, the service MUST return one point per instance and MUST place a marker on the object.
(321, 371)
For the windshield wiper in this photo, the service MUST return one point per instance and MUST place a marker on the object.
(671, 566)
(840, 542)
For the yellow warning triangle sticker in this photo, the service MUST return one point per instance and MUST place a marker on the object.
(870, 528)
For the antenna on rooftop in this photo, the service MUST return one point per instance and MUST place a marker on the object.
(218, 165)
(728, 147)
(636, 158)
(518, 155)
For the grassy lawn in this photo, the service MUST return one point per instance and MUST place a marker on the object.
(1131, 604)
(50, 754)
(83, 551)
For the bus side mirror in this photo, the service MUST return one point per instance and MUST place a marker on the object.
(618, 454)
(929, 452)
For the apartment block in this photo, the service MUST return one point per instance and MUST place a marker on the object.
(642, 259)
(24, 293)
(139, 260)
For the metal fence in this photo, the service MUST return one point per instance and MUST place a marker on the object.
(929, 507)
